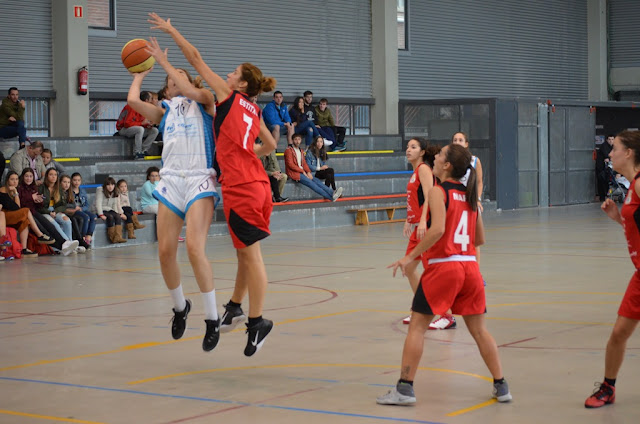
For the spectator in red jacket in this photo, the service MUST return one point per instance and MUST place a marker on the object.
(132, 124)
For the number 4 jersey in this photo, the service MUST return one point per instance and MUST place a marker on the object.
(236, 127)
(460, 226)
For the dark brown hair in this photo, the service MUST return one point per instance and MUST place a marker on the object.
(460, 160)
(430, 150)
(631, 140)
(256, 82)
(115, 192)
(321, 152)
(54, 191)
(69, 193)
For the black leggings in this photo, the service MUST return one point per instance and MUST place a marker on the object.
(129, 212)
(328, 176)
(47, 228)
(113, 218)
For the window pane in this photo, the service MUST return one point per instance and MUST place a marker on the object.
(100, 14)
(402, 40)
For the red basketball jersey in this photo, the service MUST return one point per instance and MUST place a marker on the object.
(631, 222)
(236, 126)
(415, 197)
(460, 225)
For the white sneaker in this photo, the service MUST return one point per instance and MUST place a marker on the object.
(445, 322)
(337, 194)
(407, 320)
(69, 247)
(81, 249)
(328, 142)
(395, 397)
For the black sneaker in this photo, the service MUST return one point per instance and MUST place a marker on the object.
(232, 316)
(179, 321)
(212, 335)
(256, 337)
(26, 253)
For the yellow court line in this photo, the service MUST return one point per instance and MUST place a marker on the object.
(46, 417)
(472, 408)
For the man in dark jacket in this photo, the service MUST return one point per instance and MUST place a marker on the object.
(602, 161)
(12, 117)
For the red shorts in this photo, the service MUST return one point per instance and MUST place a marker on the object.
(248, 211)
(451, 285)
(413, 242)
(630, 306)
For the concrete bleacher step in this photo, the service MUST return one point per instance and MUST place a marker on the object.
(361, 143)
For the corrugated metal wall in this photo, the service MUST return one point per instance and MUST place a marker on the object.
(25, 45)
(323, 46)
(470, 48)
(624, 33)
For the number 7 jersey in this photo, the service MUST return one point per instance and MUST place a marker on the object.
(460, 225)
(236, 127)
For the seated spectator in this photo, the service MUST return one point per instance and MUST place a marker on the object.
(109, 209)
(49, 162)
(53, 204)
(310, 111)
(132, 219)
(3, 162)
(276, 177)
(31, 199)
(81, 199)
(20, 218)
(324, 118)
(301, 125)
(298, 170)
(12, 117)
(148, 202)
(316, 158)
(29, 158)
(276, 117)
(74, 212)
(131, 124)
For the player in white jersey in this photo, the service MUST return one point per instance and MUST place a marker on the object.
(187, 188)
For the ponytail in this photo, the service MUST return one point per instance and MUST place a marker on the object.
(472, 190)
(430, 154)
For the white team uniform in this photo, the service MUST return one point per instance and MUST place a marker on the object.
(187, 172)
(463, 180)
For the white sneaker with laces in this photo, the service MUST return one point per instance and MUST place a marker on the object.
(395, 397)
(69, 247)
(445, 322)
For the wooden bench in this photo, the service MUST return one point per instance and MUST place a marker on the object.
(362, 215)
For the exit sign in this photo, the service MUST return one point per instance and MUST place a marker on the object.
(77, 11)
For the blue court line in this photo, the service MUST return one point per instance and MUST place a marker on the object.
(366, 174)
(202, 399)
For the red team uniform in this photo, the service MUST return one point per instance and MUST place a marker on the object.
(415, 202)
(630, 306)
(245, 186)
(452, 277)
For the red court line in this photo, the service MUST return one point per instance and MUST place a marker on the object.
(343, 199)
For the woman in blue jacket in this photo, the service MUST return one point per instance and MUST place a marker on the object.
(316, 158)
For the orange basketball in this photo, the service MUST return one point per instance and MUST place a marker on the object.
(134, 56)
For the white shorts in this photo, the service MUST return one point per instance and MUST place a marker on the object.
(178, 193)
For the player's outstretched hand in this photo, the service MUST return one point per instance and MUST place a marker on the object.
(140, 75)
(158, 23)
(402, 264)
(611, 209)
(153, 48)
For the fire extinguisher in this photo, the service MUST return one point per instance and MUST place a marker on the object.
(83, 81)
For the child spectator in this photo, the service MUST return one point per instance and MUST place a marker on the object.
(81, 199)
(316, 158)
(132, 219)
(31, 199)
(298, 170)
(149, 203)
(53, 204)
(109, 209)
(324, 118)
(19, 218)
(77, 220)
(51, 163)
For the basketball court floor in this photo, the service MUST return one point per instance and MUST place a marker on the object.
(86, 339)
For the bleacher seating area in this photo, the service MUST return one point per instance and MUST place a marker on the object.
(373, 172)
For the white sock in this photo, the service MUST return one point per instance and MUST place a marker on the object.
(210, 308)
(178, 298)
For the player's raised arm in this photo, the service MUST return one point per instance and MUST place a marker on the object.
(192, 55)
(150, 111)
